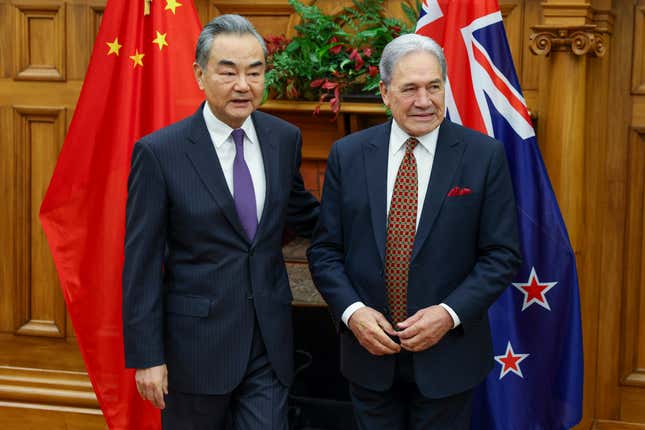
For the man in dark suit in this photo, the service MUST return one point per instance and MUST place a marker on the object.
(417, 237)
(206, 299)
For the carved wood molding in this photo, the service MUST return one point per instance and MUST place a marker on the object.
(579, 40)
(47, 389)
(616, 425)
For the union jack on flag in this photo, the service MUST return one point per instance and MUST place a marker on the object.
(537, 339)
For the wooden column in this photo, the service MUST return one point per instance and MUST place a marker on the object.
(567, 40)
(571, 126)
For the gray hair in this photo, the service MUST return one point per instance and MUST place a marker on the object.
(407, 44)
(223, 24)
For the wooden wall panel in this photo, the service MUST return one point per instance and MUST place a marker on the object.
(7, 45)
(40, 309)
(269, 17)
(617, 247)
(7, 219)
(634, 295)
(638, 64)
(40, 39)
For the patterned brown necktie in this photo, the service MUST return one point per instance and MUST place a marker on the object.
(401, 227)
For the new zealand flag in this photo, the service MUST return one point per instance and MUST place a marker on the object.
(537, 381)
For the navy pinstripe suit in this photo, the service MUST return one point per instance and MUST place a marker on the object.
(193, 284)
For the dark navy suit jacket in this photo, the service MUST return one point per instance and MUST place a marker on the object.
(465, 252)
(193, 283)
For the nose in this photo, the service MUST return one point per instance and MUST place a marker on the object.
(422, 98)
(241, 84)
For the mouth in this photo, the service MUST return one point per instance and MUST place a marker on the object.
(424, 116)
(240, 102)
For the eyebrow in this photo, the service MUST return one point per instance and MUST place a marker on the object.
(232, 63)
(434, 81)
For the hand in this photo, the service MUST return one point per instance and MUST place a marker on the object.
(152, 384)
(371, 329)
(425, 328)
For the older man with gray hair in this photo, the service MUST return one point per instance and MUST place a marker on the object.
(417, 237)
(206, 299)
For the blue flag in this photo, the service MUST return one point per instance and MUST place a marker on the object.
(537, 379)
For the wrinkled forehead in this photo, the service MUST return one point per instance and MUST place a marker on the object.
(415, 66)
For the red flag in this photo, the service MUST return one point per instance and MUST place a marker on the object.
(140, 78)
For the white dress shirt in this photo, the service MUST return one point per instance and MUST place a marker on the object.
(424, 155)
(225, 148)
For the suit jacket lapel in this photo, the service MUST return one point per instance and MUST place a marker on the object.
(205, 161)
(376, 154)
(270, 159)
(446, 161)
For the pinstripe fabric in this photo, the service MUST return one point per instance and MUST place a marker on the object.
(259, 402)
(193, 283)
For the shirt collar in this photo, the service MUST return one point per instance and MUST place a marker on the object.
(398, 138)
(220, 132)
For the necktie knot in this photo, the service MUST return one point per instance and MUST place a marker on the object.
(238, 137)
(410, 144)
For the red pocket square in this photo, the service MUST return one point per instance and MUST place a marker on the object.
(457, 191)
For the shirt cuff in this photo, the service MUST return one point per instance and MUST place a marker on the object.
(455, 318)
(350, 310)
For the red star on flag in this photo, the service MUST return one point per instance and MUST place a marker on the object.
(510, 362)
(534, 291)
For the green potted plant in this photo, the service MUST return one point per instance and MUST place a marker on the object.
(333, 55)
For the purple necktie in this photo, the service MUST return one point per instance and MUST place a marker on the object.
(243, 192)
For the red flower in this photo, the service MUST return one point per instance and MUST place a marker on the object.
(334, 104)
(367, 52)
(276, 44)
(358, 60)
(316, 83)
(335, 49)
(372, 70)
(330, 85)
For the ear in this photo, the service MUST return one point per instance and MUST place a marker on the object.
(385, 95)
(199, 75)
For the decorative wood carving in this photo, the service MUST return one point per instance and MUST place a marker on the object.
(581, 40)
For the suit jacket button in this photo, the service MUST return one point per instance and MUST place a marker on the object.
(249, 295)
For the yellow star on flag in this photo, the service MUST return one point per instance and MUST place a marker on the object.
(114, 46)
(137, 59)
(160, 40)
(172, 5)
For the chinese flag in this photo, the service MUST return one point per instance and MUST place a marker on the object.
(140, 78)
